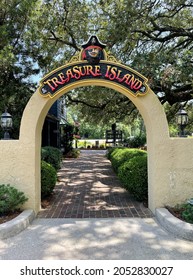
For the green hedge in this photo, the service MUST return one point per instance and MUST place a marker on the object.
(118, 156)
(131, 168)
(133, 175)
(112, 151)
(48, 178)
(10, 199)
(52, 155)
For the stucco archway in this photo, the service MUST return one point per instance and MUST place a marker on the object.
(150, 109)
(170, 161)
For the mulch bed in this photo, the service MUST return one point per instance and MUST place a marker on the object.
(177, 212)
(9, 216)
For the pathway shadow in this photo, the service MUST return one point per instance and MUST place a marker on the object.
(88, 188)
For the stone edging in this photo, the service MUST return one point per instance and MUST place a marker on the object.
(174, 225)
(164, 217)
(16, 225)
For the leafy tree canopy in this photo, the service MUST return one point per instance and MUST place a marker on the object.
(155, 37)
(16, 66)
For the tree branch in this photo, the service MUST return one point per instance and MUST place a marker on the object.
(76, 100)
(70, 44)
(181, 94)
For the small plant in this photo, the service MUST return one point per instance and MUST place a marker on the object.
(52, 155)
(48, 178)
(182, 211)
(10, 199)
(73, 154)
(187, 213)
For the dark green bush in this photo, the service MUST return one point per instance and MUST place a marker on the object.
(133, 175)
(137, 141)
(187, 213)
(52, 155)
(10, 199)
(67, 139)
(48, 178)
(120, 155)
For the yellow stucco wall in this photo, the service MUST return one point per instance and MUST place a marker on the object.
(20, 169)
(170, 160)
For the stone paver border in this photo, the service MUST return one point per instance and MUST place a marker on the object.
(174, 225)
(16, 225)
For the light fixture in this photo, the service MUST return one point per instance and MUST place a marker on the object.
(182, 121)
(6, 124)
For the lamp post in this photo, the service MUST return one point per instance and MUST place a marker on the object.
(182, 121)
(6, 124)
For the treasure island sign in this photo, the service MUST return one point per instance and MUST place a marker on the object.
(93, 62)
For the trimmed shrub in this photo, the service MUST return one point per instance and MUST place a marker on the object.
(10, 199)
(133, 175)
(52, 155)
(121, 155)
(112, 151)
(48, 178)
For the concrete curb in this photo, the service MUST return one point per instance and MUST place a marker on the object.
(163, 216)
(173, 224)
(16, 225)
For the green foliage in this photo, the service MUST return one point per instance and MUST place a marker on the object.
(92, 131)
(38, 36)
(10, 199)
(120, 155)
(131, 167)
(155, 42)
(187, 213)
(48, 178)
(100, 107)
(183, 211)
(67, 138)
(52, 155)
(151, 44)
(137, 141)
(112, 151)
(133, 175)
(16, 66)
(50, 163)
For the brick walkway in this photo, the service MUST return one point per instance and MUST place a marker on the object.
(88, 188)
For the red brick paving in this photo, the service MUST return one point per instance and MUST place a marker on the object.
(88, 188)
